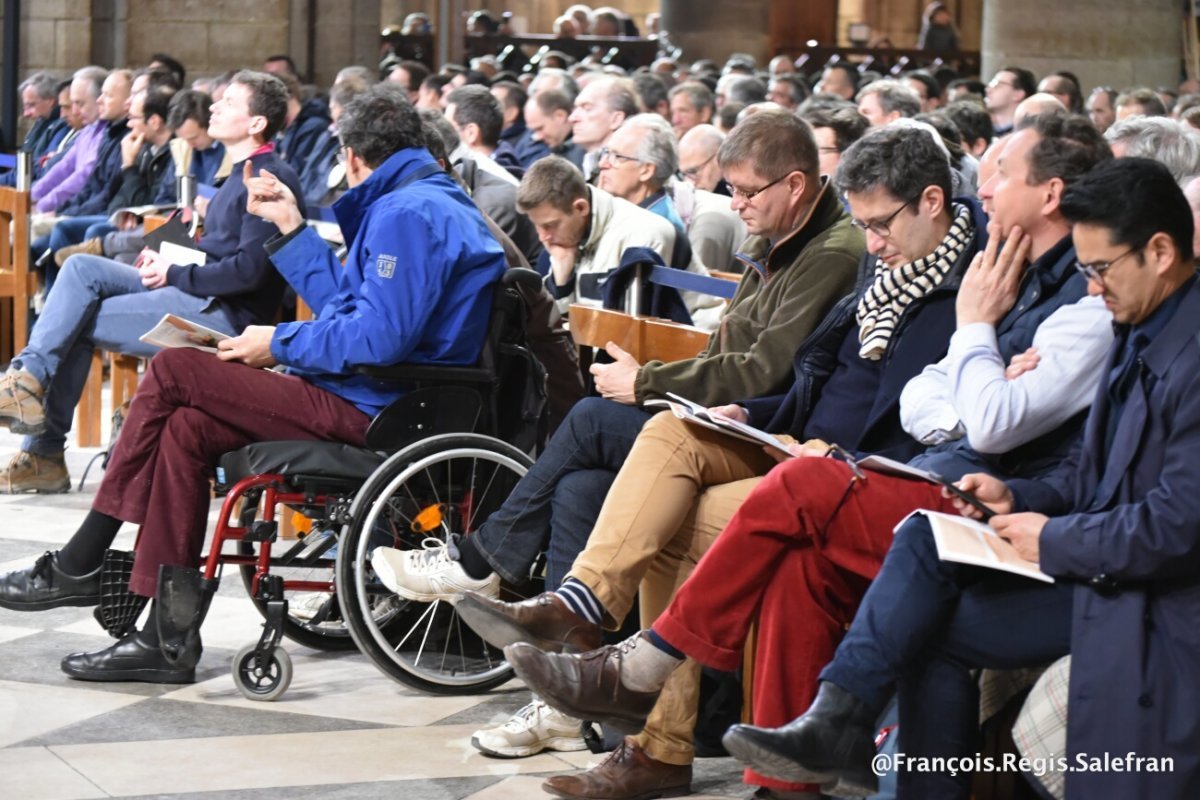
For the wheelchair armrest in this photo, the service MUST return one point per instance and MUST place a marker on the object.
(522, 278)
(427, 373)
(423, 413)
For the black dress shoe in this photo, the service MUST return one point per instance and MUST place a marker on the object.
(44, 586)
(831, 744)
(130, 659)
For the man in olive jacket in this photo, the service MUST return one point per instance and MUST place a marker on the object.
(801, 259)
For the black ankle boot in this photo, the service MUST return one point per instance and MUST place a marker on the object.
(831, 744)
(182, 603)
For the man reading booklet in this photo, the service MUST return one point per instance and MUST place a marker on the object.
(98, 303)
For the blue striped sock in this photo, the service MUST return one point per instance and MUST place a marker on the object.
(656, 639)
(579, 598)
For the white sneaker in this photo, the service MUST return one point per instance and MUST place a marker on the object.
(534, 728)
(306, 605)
(429, 574)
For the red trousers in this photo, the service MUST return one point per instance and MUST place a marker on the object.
(787, 560)
(191, 409)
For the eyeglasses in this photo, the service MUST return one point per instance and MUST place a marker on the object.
(856, 476)
(882, 228)
(748, 196)
(610, 155)
(1095, 270)
(994, 82)
(691, 173)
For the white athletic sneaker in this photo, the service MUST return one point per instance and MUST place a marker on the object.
(534, 728)
(429, 574)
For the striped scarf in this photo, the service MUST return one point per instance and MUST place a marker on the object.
(884, 301)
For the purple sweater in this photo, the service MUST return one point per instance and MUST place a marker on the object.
(67, 177)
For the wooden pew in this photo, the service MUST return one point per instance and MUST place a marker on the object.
(645, 338)
(17, 284)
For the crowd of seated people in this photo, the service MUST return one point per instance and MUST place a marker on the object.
(990, 282)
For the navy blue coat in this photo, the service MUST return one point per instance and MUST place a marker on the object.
(1135, 636)
(105, 179)
(922, 337)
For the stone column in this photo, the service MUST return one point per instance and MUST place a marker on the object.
(1120, 43)
(716, 28)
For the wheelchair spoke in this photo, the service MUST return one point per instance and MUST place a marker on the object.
(416, 624)
(479, 504)
(428, 627)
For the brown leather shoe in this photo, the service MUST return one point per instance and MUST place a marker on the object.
(91, 247)
(586, 686)
(544, 621)
(628, 773)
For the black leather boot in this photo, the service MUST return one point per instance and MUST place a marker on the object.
(831, 744)
(182, 604)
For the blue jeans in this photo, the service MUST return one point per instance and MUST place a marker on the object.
(76, 230)
(573, 474)
(923, 625)
(96, 303)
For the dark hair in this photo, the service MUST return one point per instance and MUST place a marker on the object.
(160, 78)
(1024, 79)
(1150, 103)
(172, 65)
(972, 120)
(515, 95)
(772, 143)
(1134, 198)
(292, 83)
(188, 104)
(476, 104)
(551, 100)
(1068, 147)
(850, 72)
(748, 90)
(1072, 90)
(157, 103)
(847, 124)
(798, 90)
(417, 73)
(651, 89)
(699, 95)
(972, 85)
(434, 142)
(380, 122)
(432, 118)
(268, 99)
(932, 87)
(728, 114)
(898, 159)
(285, 58)
(951, 135)
(552, 180)
(435, 82)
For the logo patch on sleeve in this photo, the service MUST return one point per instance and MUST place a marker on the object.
(385, 266)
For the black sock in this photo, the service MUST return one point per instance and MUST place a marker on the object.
(85, 552)
(149, 633)
(472, 560)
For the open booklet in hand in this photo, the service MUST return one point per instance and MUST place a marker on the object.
(967, 541)
(173, 331)
(697, 414)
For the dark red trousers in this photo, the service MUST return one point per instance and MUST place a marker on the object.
(787, 560)
(191, 409)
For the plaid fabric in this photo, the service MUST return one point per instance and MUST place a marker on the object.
(997, 687)
(1041, 729)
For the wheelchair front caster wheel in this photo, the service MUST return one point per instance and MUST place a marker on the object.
(265, 684)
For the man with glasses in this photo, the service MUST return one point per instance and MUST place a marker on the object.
(801, 549)
(600, 108)
(1115, 524)
(698, 159)
(801, 259)
(1005, 91)
(101, 303)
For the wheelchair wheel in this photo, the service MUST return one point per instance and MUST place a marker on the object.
(267, 684)
(441, 485)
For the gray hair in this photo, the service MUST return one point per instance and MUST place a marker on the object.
(93, 75)
(437, 120)
(699, 95)
(45, 84)
(657, 146)
(894, 97)
(1163, 139)
(554, 78)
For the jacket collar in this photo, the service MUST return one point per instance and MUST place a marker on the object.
(826, 210)
(602, 211)
(1180, 330)
(352, 207)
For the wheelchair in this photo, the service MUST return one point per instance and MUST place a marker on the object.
(437, 462)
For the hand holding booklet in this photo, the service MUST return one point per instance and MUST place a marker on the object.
(697, 414)
(173, 331)
(967, 541)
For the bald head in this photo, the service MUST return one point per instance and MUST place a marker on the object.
(698, 156)
(1040, 103)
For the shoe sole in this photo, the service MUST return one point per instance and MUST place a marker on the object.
(500, 631)
(25, 429)
(558, 744)
(139, 675)
(387, 576)
(61, 489)
(78, 601)
(625, 724)
(767, 762)
(650, 794)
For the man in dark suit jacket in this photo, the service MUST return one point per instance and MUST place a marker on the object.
(1116, 524)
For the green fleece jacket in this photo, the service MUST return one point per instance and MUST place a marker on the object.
(784, 294)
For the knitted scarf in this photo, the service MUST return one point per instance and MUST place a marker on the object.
(891, 292)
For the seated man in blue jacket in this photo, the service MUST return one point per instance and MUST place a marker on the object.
(100, 303)
(416, 288)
